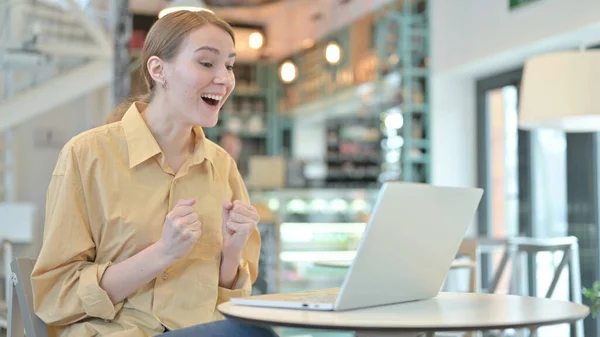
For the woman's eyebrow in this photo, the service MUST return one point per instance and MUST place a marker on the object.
(214, 50)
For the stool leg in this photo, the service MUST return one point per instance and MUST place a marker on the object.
(575, 273)
(499, 271)
(533, 332)
(557, 273)
(515, 279)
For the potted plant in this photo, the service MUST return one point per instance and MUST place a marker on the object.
(594, 295)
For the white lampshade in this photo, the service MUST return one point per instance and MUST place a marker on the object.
(186, 5)
(561, 91)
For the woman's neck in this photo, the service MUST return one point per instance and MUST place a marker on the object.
(174, 137)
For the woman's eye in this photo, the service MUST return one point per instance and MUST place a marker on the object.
(206, 64)
(230, 68)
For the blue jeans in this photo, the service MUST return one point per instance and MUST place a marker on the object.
(224, 328)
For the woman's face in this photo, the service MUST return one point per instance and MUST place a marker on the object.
(200, 77)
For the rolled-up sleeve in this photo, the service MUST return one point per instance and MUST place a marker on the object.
(66, 280)
(242, 286)
(248, 268)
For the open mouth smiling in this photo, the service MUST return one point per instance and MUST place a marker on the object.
(212, 99)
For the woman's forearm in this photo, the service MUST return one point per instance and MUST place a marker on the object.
(124, 278)
(228, 272)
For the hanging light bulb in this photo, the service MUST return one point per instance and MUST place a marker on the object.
(333, 52)
(255, 40)
(288, 72)
(184, 5)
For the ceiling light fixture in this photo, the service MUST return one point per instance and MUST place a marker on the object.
(288, 72)
(256, 40)
(333, 52)
(184, 5)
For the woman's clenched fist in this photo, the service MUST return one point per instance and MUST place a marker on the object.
(239, 221)
(181, 230)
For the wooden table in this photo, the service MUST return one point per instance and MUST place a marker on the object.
(446, 312)
(456, 264)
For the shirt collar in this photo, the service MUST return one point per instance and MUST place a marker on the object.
(202, 150)
(142, 145)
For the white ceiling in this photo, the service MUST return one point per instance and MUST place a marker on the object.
(288, 22)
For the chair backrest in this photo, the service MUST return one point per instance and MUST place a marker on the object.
(568, 245)
(7, 255)
(20, 311)
(470, 248)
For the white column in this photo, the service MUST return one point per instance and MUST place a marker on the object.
(98, 105)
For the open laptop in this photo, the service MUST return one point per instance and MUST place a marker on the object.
(405, 252)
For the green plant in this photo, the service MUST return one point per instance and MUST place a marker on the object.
(594, 295)
(517, 3)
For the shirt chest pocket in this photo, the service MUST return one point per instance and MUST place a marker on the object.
(133, 218)
(209, 206)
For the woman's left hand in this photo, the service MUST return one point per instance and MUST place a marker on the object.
(239, 221)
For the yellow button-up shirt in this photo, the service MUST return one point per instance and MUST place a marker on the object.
(107, 200)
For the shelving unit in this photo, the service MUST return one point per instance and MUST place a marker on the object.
(402, 45)
(316, 78)
(353, 152)
(383, 72)
(381, 82)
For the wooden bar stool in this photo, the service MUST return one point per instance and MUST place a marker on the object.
(517, 246)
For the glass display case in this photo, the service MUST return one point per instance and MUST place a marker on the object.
(316, 225)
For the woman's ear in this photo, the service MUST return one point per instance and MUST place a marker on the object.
(156, 70)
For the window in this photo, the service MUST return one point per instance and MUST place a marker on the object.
(524, 175)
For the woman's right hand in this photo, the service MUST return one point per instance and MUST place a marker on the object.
(181, 230)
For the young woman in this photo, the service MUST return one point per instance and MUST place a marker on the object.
(148, 223)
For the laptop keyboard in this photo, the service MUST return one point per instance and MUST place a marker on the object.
(312, 297)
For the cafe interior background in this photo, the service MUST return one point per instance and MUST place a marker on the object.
(334, 97)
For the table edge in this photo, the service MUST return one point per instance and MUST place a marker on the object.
(269, 322)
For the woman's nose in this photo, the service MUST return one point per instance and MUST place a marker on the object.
(223, 77)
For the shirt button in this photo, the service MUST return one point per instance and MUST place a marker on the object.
(165, 276)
